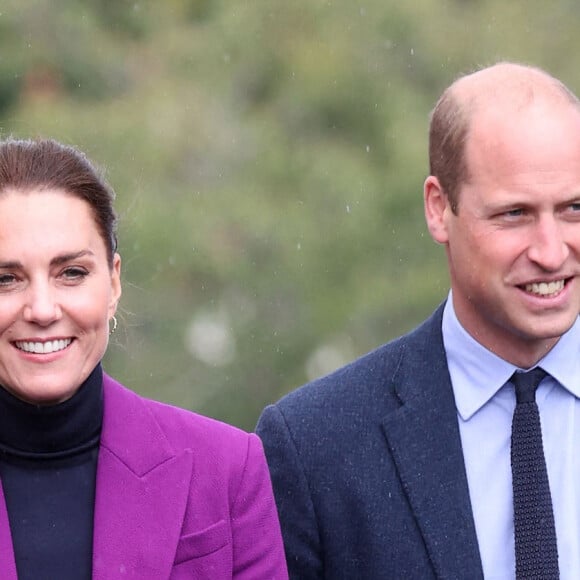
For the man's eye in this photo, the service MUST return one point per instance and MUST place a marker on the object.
(517, 212)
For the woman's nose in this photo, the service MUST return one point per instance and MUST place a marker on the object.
(41, 306)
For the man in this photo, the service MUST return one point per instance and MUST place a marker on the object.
(398, 465)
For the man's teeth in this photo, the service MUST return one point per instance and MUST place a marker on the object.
(545, 288)
(43, 347)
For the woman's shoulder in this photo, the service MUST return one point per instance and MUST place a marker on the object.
(188, 423)
(182, 428)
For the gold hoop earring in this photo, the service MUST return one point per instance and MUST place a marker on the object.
(112, 330)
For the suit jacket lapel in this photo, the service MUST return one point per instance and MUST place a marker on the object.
(7, 561)
(142, 488)
(423, 436)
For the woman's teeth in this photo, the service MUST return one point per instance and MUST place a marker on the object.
(43, 347)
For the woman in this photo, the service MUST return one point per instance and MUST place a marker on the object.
(97, 482)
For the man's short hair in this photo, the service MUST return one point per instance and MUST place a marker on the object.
(451, 117)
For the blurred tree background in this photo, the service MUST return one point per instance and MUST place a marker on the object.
(268, 159)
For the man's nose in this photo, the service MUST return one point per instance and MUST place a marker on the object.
(548, 247)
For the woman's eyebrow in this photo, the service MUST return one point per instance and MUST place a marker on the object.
(63, 258)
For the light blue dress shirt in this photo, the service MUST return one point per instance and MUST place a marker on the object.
(485, 405)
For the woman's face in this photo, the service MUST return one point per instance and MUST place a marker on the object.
(57, 294)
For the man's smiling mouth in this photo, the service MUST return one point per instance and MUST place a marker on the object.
(545, 288)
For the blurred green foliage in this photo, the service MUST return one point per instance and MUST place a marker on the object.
(268, 159)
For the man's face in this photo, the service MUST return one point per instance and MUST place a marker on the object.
(514, 245)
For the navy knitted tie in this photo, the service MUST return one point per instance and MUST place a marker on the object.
(535, 534)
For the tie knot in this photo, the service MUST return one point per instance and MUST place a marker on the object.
(526, 384)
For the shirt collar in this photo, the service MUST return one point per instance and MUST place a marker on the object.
(563, 361)
(477, 374)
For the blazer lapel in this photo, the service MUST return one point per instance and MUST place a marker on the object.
(423, 436)
(142, 488)
(7, 561)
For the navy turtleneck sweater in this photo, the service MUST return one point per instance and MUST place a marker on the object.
(48, 463)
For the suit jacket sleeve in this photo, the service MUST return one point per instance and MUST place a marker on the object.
(258, 552)
(295, 507)
(180, 496)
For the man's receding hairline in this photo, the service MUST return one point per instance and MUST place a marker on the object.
(501, 90)
(508, 84)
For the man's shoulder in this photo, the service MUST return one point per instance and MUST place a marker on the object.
(370, 376)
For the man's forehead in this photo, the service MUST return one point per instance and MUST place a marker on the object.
(508, 86)
(506, 77)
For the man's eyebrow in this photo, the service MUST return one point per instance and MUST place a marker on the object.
(11, 265)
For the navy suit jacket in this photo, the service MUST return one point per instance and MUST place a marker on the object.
(368, 469)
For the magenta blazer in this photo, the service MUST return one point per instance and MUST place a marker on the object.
(178, 496)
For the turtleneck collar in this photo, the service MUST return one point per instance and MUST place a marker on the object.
(67, 428)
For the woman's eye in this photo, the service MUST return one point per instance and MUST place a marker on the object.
(6, 279)
(74, 273)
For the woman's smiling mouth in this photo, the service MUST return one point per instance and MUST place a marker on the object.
(47, 347)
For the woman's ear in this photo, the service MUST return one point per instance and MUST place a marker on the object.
(115, 284)
(437, 209)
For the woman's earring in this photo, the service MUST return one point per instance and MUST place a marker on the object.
(114, 327)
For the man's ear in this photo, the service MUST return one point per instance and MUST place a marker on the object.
(437, 209)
